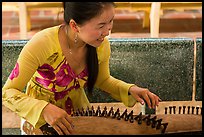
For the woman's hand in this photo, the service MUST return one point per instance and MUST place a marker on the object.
(141, 94)
(58, 119)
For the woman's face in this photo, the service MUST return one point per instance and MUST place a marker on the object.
(94, 30)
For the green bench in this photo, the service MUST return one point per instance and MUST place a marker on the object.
(163, 65)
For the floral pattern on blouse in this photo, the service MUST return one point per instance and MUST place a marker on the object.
(15, 72)
(62, 78)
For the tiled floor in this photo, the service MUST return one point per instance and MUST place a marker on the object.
(173, 23)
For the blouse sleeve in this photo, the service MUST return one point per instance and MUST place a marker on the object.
(12, 92)
(118, 89)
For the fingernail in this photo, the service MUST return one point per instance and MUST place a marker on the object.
(49, 126)
(72, 125)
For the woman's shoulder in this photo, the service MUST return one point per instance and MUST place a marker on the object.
(105, 42)
(103, 51)
(104, 45)
(44, 38)
(46, 33)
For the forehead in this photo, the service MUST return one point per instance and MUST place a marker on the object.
(106, 15)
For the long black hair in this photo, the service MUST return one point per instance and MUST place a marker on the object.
(82, 12)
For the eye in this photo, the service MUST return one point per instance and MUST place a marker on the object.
(101, 26)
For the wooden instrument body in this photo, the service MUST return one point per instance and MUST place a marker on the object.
(97, 122)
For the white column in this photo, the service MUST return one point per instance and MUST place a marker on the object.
(23, 20)
(154, 19)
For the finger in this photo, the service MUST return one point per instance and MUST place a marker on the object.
(64, 128)
(146, 98)
(58, 129)
(141, 101)
(138, 99)
(69, 120)
(153, 99)
(68, 125)
(157, 100)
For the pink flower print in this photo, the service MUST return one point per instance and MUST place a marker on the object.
(60, 95)
(15, 72)
(46, 71)
(83, 74)
(45, 83)
(68, 106)
(62, 77)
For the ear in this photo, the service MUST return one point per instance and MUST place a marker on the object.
(73, 25)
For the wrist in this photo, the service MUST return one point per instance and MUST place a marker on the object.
(131, 89)
(45, 109)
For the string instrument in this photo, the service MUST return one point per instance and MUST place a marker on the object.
(99, 121)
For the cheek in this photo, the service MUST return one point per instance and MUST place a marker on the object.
(92, 36)
(88, 33)
(95, 34)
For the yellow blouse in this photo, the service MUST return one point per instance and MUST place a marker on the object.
(42, 67)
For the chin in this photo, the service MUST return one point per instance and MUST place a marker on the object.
(96, 44)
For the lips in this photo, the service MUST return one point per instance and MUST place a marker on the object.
(100, 39)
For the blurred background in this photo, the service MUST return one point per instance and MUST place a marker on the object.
(21, 20)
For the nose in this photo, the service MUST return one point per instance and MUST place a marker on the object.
(107, 30)
(106, 33)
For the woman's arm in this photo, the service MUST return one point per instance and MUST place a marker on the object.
(12, 92)
(120, 90)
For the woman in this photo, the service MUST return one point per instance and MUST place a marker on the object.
(58, 63)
